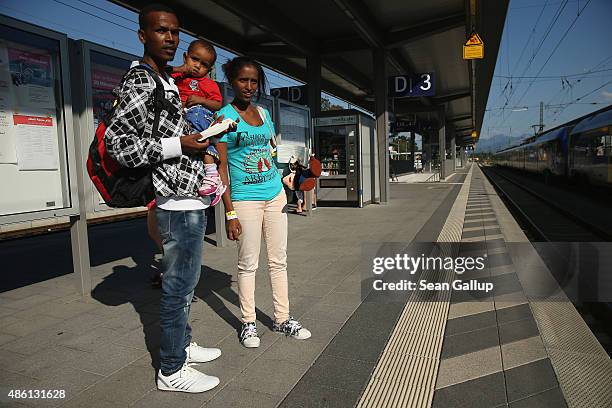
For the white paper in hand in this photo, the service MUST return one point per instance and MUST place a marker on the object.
(216, 129)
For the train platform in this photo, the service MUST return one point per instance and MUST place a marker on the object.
(416, 178)
(509, 347)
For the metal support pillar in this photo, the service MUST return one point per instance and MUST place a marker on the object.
(442, 143)
(308, 201)
(453, 149)
(463, 161)
(427, 151)
(80, 252)
(382, 116)
(313, 76)
(412, 147)
(220, 235)
(79, 239)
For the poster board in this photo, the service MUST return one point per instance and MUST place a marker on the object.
(96, 71)
(36, 139)
(295, 129)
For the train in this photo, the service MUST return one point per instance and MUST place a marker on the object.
(580, 150)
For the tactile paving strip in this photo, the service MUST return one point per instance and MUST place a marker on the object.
(565, 329)
(405, 375)
(586, 380)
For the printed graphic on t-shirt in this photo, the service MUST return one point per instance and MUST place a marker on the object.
(257, 163)
(193, 84)
(246, 139)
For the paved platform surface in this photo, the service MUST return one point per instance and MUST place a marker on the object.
(103, 350)
(413, 178)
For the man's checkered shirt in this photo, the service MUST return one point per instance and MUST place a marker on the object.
(129, 137)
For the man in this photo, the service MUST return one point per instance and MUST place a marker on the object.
(177, 170)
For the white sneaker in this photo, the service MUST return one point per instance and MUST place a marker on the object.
(187, 379)
(292, 328)
(248, 335)
(199, 354)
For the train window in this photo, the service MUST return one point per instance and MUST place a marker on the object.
(607, 140)
(600, 146)
(582, 144)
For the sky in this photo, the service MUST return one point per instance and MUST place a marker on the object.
(108, 24)
(563, 48)
(552, 51)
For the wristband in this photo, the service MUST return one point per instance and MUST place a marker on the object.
(231, 215)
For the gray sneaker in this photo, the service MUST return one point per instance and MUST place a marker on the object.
(248, 335)
(292, 328)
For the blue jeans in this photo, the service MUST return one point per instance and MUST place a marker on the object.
(182, 235)
(199, 117)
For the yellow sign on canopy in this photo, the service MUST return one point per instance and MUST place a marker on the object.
(473, 47)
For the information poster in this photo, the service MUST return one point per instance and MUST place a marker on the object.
(8, 153)
(7, 138)
(294, 126)
(32, 78)
(103, 80)
(36, 142)
(294, 134)
(28, 122)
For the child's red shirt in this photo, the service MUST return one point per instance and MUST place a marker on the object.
(204, 87)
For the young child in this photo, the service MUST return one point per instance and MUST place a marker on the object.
(300, 177)
(201, 97)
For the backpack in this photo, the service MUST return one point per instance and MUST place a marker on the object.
(119, 186)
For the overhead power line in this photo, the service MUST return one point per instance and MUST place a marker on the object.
(108, 21)
(535, 53)
(555, 49)
(556, 76)
(580, 12)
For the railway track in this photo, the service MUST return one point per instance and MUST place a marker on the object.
(546, 220)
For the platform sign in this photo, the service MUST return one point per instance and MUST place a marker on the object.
(295, 94)
(474, 47)
(412, 86)
(336, 120)
(403, 126)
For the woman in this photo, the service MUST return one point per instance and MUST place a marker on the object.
(255, 201)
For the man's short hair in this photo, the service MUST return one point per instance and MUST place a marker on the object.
(150, 8)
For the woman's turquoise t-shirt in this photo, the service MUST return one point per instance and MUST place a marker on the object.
(253, 173)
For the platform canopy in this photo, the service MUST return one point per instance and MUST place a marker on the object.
(417, 37)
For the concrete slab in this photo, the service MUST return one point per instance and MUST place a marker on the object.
(487, 391)
(108, 359)
(469, 366)
(523, 352)
(29, 326)
(529, 379)
(330, 313)
(469, 308)
(257, 377)
(233, 396)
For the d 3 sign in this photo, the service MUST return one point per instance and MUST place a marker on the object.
(407, 86)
